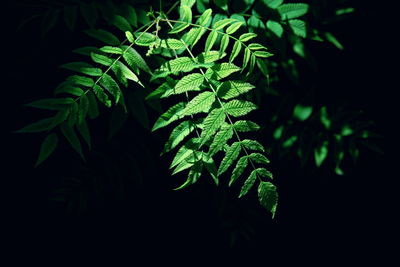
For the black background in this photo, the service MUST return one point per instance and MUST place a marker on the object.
(321, 218)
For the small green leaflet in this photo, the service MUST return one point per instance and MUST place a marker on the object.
(103, 60)
(205, 18)
(224, 44)
(70, 14)
(200, 103)
(247, 37)
(237, 108)
(231, 89)
(145, 38)
(178, 134)
(246, 126)
(89, 13)
(190, 82)
(259, 158)
(101, 95)
(111, 50)
(174, 44)
(234, 27)
(220, 71)
(212, 123)
(194, 175)
(110, 85)
(93, 111)
(209, 57)
(222, 23)
(292, 11)
(298, 27)
(87, 50)
(121, 23)
(129, 36)
(248, 184)
(239, 169)
(235, 51)
(134, 59)
(184, 64)
(210, 41)
(47, 148)
(302, 112)
(320, 153)
(252, 145)
(230, 156)
(185, 151)
(103, 36)
(169, 116)
(83, 68)
(220, 139)
(268, 196)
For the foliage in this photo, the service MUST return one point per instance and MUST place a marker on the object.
(213, 63)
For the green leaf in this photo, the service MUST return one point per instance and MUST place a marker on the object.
(256, 46)
(184, 64)
(252, 145)
(220, 139)
(298, 27)
(210, 41)
(72, 138)
(320, 153)
(234, 27)
(130, 15)
(174, 44)
(70, 14)
(230, 156)
(237, 108)
(169, 116)
(51, 103)
(273, 3)
(178, 135)
(246, 126)
(193, 36)
(129, 36)
(220, 71)
(110, 85)
(247, 37)
(231, 89)
(263, 68)
(121, 23)
(268, 196)
(104, 36)
(259, 158)
(164, 90)
(209, 163)
(39, 126)
(83, 68)
(235, 51)
(101, 95)
(67, 87)
(332, 39)
(130, 75)
(48, 146)
(248, 184)
(103, 60)
(224, 44)
(185, 151)
(205, 18)
(194, 175)
(239, 169)
(212, 123)
(190, 82)
(111, 50)
(222, 23)
(200, 103)
(209, 57)
(145, 38)
(292, 11)
(263, 54)
(246, 57)
(134, 59)
(302, 112)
